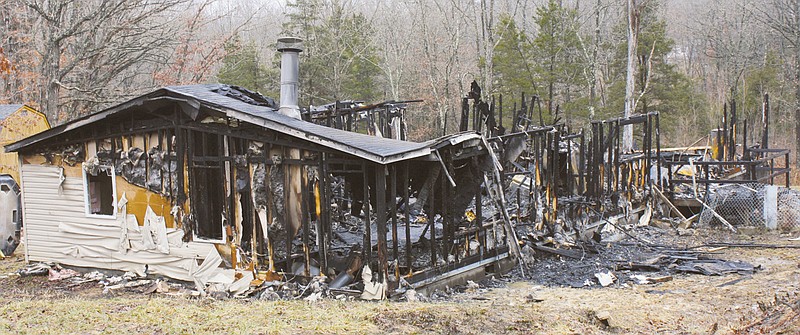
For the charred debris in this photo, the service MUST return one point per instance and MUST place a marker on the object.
(227, 189)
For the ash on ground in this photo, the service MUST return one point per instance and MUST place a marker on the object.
(649, 255)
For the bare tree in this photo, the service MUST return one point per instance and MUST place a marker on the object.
(202, 30)
(17, 77)
(93, 51)
(441, 44)
(784, 19)
(396, 47)
(634, 10)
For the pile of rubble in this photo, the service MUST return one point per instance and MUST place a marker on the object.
(590, 264)
(129, 282)
(650, 255)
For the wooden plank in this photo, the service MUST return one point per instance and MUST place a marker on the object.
(561, 252)
(672, 207)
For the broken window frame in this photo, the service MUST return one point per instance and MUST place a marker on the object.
(109, 169)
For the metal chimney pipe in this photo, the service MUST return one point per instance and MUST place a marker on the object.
(290, 48)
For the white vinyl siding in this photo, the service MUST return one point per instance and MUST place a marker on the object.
(58, 230)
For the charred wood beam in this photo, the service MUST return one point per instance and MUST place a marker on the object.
(226, 174)
(367, 223)
(181, 148)
(304, 219)
(393, 214)
(425, 190)
(380, 213)
(407, 214)
(658, 149)
(561, 252)
(431, 219)
(324, 229)
(287, 226)
(464, 125)
(270, 137)
(447, 224)
(444, 168)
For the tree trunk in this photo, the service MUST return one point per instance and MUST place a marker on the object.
(550, 87)
(797, 83)
(630, 83)
(593, 64)
(487, 25)
(51, 89)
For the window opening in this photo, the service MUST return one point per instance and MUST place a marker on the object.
(100, 191)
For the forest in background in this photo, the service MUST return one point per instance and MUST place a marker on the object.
(71, 58)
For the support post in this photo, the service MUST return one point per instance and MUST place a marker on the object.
(325, 215)
(407, 214)
(431, 221)
(393, 213)
(367, 223)
(380, 212)
(765, 119)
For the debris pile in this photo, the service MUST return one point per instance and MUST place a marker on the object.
(592, 264)
(257, 289)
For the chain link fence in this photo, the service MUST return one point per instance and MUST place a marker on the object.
(788, 209)
(753, 205)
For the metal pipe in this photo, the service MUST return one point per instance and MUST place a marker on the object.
(290, 48)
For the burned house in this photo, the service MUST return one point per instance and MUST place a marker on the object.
(218, 184)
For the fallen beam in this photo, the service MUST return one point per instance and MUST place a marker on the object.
(750, 245)
(561, 252)
(672, 207)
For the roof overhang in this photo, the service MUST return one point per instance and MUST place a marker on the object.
(301, 130)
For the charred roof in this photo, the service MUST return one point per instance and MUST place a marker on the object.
(251, 107)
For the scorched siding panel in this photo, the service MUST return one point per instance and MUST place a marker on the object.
(58, 230)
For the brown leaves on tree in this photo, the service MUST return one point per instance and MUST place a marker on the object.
(5, 65)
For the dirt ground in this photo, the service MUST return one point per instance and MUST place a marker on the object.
(763, 302)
